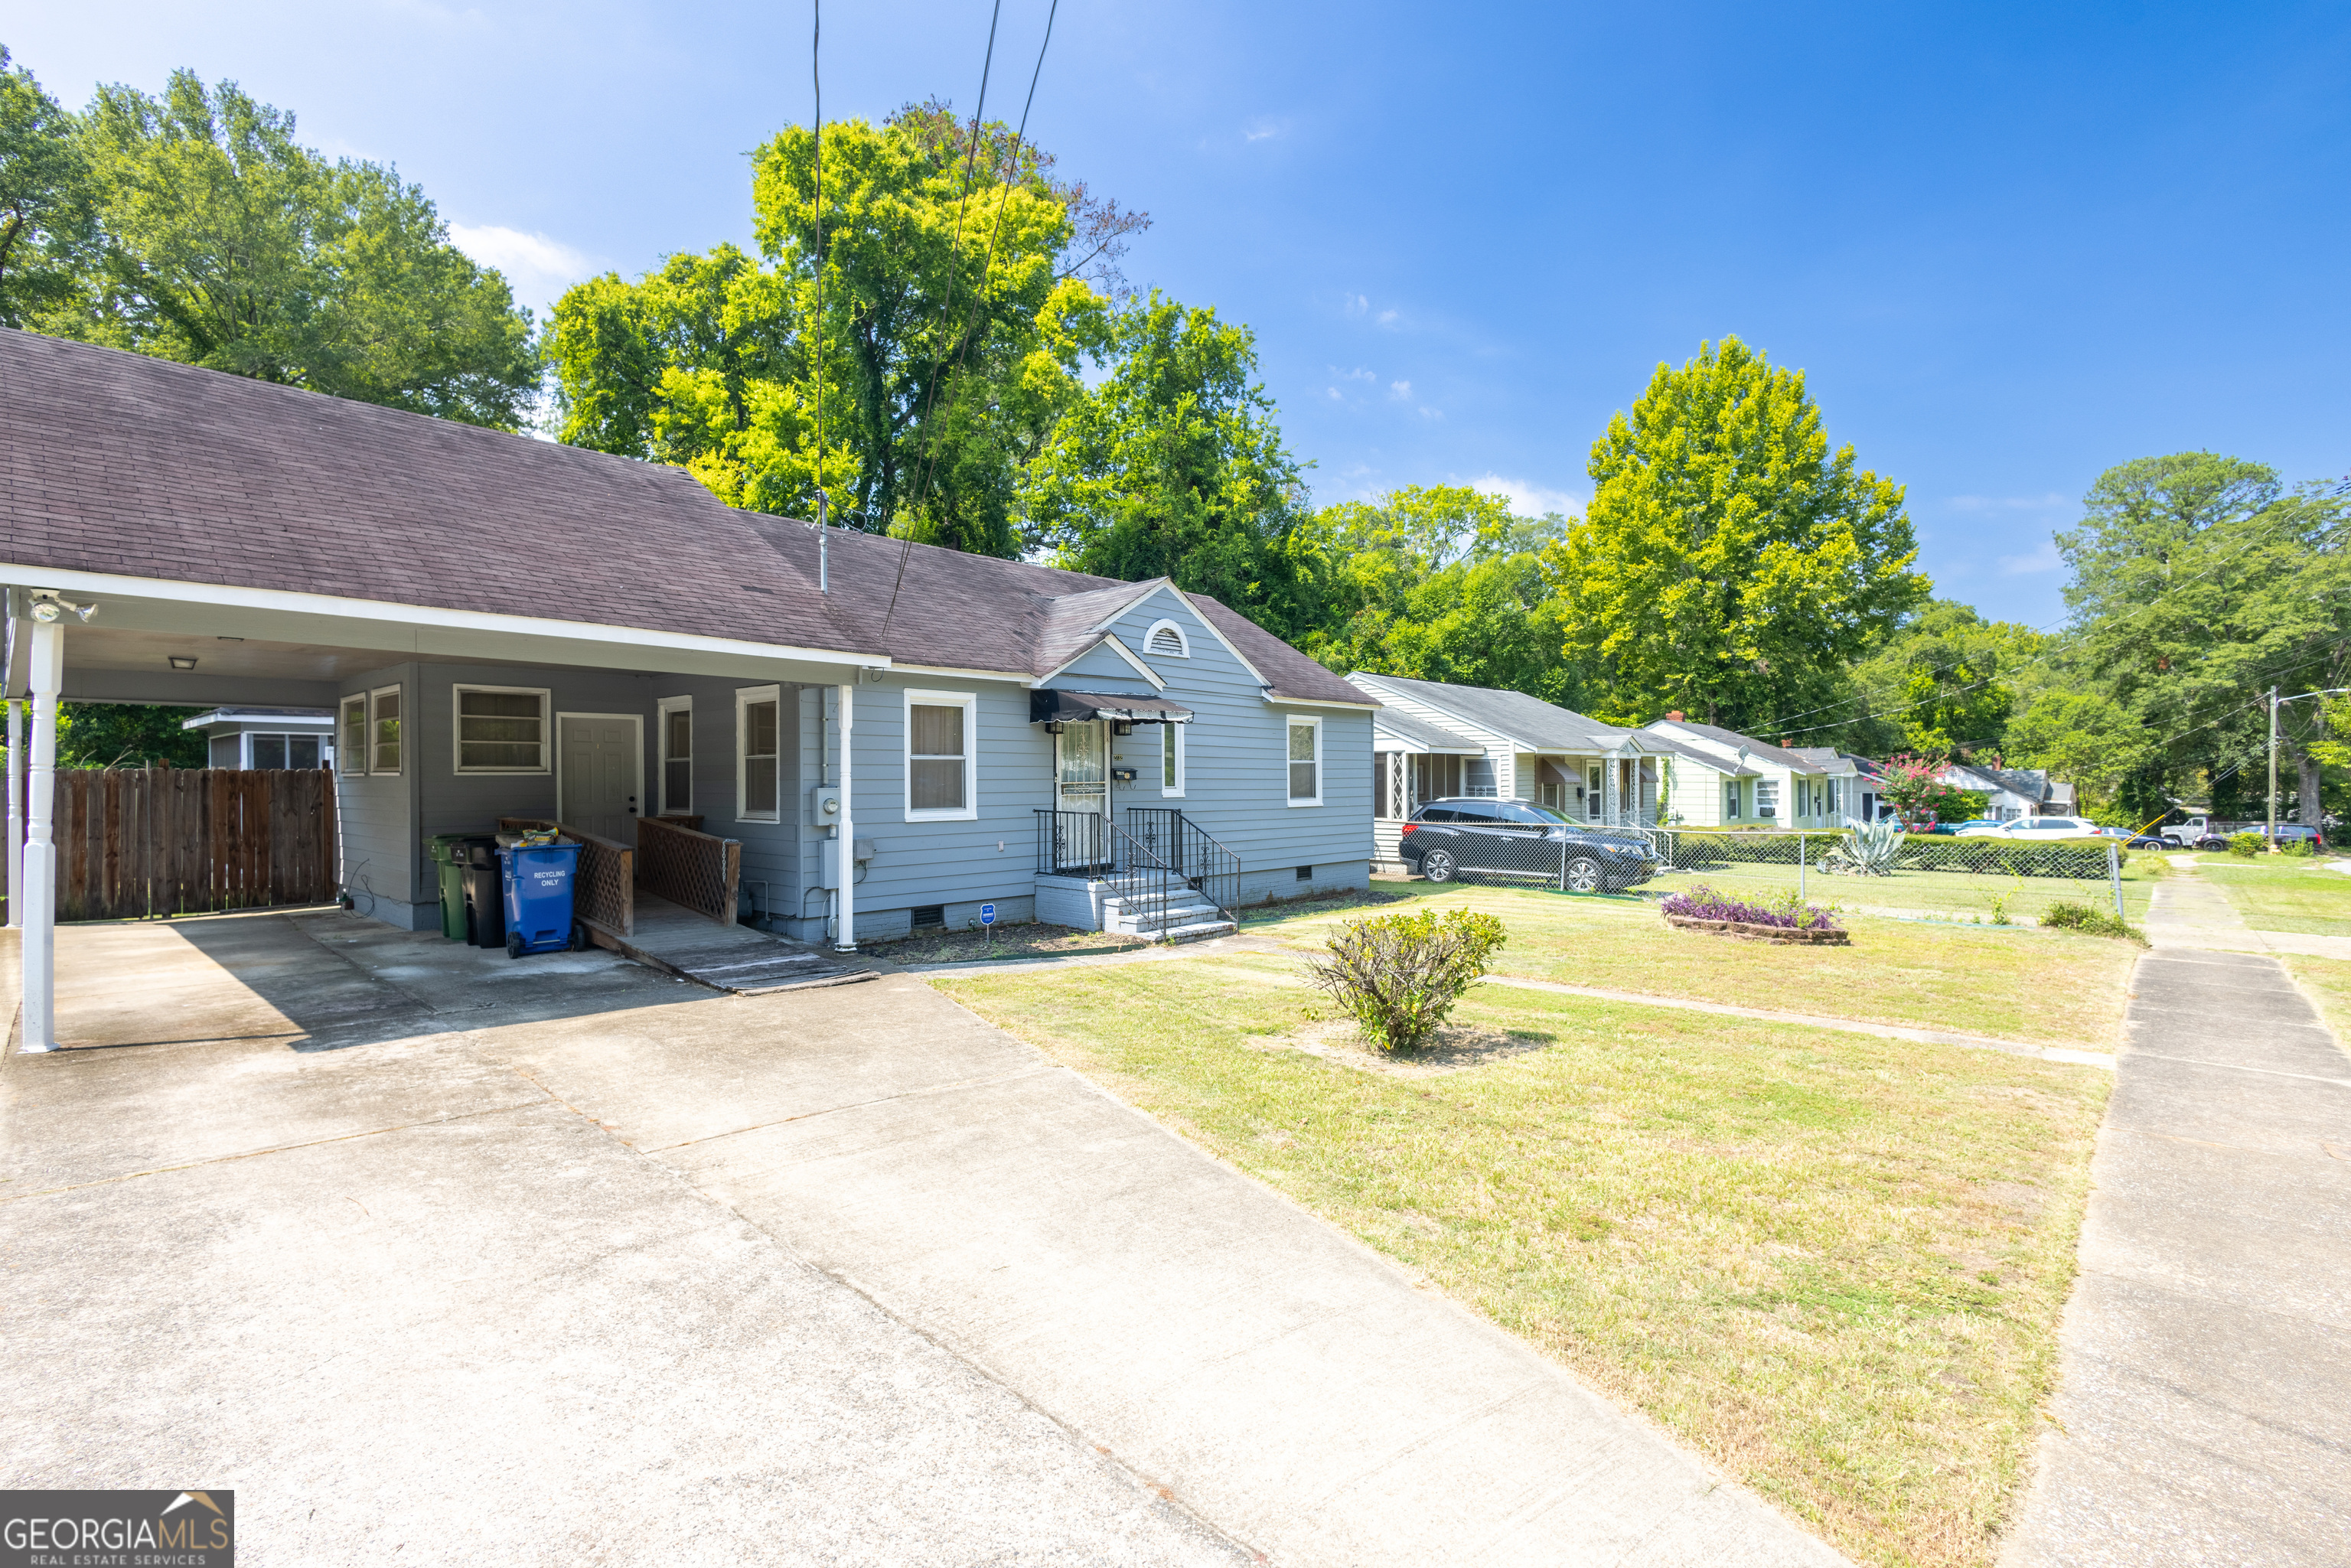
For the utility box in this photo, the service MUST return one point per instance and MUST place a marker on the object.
(828, 871)
(824, 807)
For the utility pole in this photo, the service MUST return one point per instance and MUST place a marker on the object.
(2274, 710)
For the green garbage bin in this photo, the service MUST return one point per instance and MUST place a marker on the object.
(449, 858)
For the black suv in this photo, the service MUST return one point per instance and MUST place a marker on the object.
(1511, 838)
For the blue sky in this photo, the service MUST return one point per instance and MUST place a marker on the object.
(2011, 246)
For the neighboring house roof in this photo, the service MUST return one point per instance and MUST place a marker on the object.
(1731, 737)
(1420, 731)
(120, 464)
(325, 715)
(1682, 748)
(1531, 722)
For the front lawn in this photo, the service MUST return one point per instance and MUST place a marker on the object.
(2014, 983)
(1833, 1263)
(2281, 892)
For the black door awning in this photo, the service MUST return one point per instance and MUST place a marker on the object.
(1075, 707)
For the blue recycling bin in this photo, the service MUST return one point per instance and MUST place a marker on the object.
(538, 882)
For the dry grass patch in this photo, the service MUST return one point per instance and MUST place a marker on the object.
(2051, 988)
(1834, 1263)
(1034, 939)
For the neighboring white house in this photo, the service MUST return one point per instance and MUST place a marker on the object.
(301, 738)
(2012, 793)
(1721, 778)
(1431, 740)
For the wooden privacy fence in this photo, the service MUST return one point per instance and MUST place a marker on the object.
(694, 870)
(134, 843)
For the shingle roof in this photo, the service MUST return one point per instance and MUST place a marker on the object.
(1419, 731)
(1769, 753)
(1716, 761)
(120, 464)
(1532, 722)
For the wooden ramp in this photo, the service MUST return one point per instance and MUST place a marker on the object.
(729, 957)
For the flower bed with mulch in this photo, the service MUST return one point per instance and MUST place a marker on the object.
(1811, 936)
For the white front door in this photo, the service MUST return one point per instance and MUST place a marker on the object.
(600, 760)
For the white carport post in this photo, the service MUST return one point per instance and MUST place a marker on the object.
(844, 863)
(9, 657)
(40, 858)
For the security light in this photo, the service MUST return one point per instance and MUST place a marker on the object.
(49, 608)
(182, 662)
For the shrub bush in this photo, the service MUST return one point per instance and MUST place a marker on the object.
(2245, 846)
(1399, 975)
(2090, 922)
(1699, 901)
(2300, 849)
(1701, 849)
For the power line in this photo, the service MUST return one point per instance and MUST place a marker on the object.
(979, 293)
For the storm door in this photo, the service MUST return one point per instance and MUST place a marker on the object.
(1081, 795)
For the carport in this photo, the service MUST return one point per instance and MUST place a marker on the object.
(502, 626)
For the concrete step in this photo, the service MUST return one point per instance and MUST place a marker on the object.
(1159, 918)
(1198, 931)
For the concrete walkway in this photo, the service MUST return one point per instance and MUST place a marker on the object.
(833, 1275)
(2207, 1347)
(2186, 910)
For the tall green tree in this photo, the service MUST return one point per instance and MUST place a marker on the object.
(2200, 580)
(959, 279)
(1729, 564)
(1441, 583)
(229, 244)
(48, 220)
(1173, 467)
(1945, 683)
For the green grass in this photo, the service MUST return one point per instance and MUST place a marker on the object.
(2281, 892)
(2328, 981)
(2047, 986)
(1834, 1263)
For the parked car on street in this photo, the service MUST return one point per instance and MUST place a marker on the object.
(2050, 828)
(2149, 841)
(1511, 838)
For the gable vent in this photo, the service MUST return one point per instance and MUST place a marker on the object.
(1167, 638)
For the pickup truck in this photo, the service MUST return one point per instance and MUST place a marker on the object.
(2196, 830)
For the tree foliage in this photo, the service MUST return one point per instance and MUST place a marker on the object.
(1729, 564)
(48, 220)
(1946, 682)
(219, 240)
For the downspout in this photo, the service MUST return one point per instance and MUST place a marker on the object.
(11, 653)
(844, 933)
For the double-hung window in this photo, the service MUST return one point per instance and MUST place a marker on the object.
(678, 755)
(352, 753)
(1730, 800)
(1171, 759)
(384, 730)
(1305, 761)
(942, 781)
(501, 729)
(759, 753)
(1767, 797)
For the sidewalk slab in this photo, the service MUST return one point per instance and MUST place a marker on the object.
(2207, 1348)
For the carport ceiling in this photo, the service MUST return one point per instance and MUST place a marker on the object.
(99, 647)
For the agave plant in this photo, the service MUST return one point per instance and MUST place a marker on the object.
(1868, 850)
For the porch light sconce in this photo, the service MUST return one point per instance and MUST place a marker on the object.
(1053, 726)
(48, 608)
(182, 662)
(1121, 727)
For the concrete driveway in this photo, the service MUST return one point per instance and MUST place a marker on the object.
(418, 1248)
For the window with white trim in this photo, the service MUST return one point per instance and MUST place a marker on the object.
(675, 732)
(759, 753)
(1767, 797)
(1166, 640)
(354, 747)
(1305, 761)
(500, 729)
(1170, 759)
(942, 766)
(384, 730)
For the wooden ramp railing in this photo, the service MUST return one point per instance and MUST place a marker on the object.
(692, 869)
(144, 842)
(603, 888)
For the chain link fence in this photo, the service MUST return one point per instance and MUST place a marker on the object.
(1991, 880)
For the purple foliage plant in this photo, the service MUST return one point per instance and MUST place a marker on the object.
(1700, 901)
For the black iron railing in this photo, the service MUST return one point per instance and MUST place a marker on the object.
(1207, 866)
(1088, 844)
(1076, 843)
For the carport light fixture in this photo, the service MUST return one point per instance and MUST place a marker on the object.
(48, 608)
(183, 662)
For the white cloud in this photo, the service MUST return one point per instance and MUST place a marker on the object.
(537, 269)
(1264, 129)
(1387, 317)
(1335, 395)
(1399, 389)
(2042, 560)
(1357, 374)
(1527, 499)
(1427, 412)
(1357, 304)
